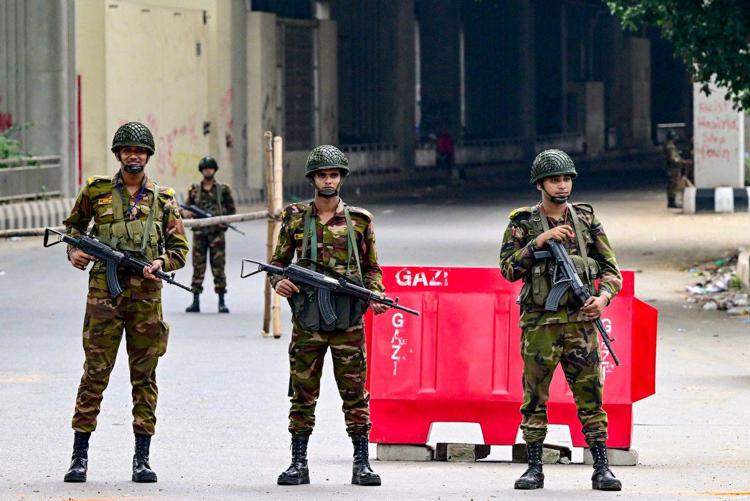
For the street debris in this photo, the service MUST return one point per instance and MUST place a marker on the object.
(718, 288)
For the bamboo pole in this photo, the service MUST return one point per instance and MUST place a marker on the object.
(278, 202)
(268, 142)
(188, 223)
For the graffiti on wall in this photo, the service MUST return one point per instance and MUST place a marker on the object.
(6, 119)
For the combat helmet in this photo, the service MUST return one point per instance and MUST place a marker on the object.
(133, 134)
(326, 156)
(208, 163)
(551, 163)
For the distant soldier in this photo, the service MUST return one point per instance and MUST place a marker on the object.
(333, 238)
(216, 198)
(567, 337)
(132, 214)
(676, 168)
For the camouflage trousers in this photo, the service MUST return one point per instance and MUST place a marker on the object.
(146, 337)
(674, 175)
(209, 244)
(306, 354)
(575, 346)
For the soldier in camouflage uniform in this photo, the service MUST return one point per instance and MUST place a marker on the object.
(215, 198)
(568, 336)
(130, 213)
(334, 238)
(675, 166)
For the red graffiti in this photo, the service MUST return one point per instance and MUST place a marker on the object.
(6, 121)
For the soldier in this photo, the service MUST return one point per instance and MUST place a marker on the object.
(133, 214)
(215, 198)
(334, 238)
(568, 336)
(674, 165)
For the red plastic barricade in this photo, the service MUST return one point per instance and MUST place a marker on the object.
(460, 360)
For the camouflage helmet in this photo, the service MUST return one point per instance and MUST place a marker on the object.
(208, 163)
(326, 156)
(551, 163)
(133, 134)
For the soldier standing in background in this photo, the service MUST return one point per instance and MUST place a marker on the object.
(336, 239)
(675, 166)
(132, 214)
(216, 198)
(567, 336)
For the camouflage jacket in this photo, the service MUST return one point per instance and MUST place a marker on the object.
(218, 201)
(672, 157)
(95, 202)
(516, 258)
(332, 243)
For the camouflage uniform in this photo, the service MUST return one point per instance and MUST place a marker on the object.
(564, 337)
(138, 309)
(673, 164)
(210, 240)
(307, 348)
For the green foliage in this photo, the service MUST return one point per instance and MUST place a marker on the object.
(10, 148)
(711, 36)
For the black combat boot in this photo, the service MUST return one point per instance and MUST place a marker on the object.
(222, 307)
(297, 473)
(79, 463)
(671, 203)
(142, 471)
(196, 306)
(603, 479)
(362, 474)
(533, 477)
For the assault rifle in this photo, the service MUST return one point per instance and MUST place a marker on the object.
(325, 286)
(202, 214)
(564, 278)
(112, 257)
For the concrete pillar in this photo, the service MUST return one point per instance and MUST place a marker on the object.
(236, 140)
(327, 85)
(262, 90)
(399, 78)
(592, 115)
(635, 97)
(39, 86)
(527, 69)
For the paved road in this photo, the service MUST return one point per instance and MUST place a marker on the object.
(222, 411)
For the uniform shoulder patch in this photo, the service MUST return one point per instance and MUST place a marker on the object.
(293, 209)
(90, 181)
(584, 207)
(166, 192)
(360, 212)
(523, 212)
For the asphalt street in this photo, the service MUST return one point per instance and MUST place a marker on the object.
(222, 407)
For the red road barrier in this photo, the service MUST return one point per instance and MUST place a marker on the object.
(460, 361)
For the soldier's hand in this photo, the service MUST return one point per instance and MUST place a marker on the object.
(80, 259)
(378, 308)
(560, 233)
(186, 214)
(285, 288)
(148, 271)
(594, 306)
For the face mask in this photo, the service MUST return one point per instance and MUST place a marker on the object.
(328, 192)
(133, 168)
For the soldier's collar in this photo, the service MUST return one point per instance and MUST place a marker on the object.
(117, 181)
(339, 207)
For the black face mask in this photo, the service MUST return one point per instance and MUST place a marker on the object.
(328, 192)
(133, 168)
(557, 200)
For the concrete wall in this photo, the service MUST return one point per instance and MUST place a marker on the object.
(37, 82)
(590, 114)
(635, 111)
(262, 90)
